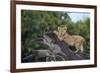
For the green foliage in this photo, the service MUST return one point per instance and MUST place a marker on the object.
(36, 23)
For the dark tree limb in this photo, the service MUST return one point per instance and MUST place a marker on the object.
(65, 48)
(58, 50)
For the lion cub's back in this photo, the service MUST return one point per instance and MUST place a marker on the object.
(78, 39)
(73, 39)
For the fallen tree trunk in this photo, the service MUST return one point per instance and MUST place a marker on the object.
(65, 48)
(60, 51)
(54, 48)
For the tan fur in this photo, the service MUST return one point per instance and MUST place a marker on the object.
(71, 40)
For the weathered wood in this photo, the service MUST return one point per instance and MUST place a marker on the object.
(64, 48)
(54, 48)
(36, 54)
(57, 51)
(28, 58)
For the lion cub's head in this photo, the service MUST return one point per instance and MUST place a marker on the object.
(62, 29)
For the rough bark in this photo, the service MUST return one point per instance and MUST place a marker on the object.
(65, 48)
(57, 51)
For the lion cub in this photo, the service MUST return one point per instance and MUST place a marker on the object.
(71, 40)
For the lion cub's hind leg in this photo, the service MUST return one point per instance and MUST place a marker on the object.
(81, 49)
(77, 48)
